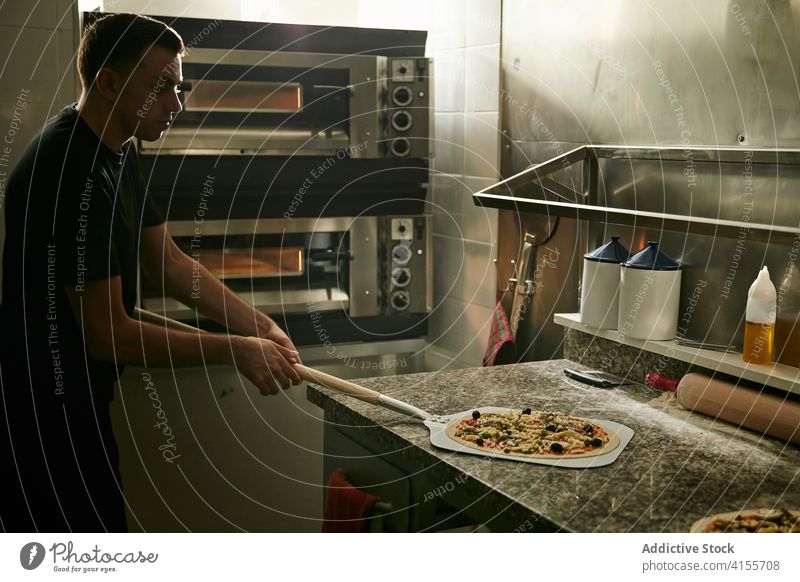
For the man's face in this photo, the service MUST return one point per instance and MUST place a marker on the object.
(149, 100)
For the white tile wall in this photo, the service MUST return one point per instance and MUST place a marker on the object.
(23, 14)
(478, 223)
(36, 42)
(465, 44)
(229, 9)
(461, 329)
(437, 359)
(445, 205)
(482, 144)
(448, 83)
(482, 22)
(465, 270)
(482, 77)
(448, 25)
(448, 142)
(33, 63)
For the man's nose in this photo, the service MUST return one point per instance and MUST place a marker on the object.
(175, 106)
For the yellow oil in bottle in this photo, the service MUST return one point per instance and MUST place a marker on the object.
(759, 339)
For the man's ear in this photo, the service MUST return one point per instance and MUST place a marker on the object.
(108, 83)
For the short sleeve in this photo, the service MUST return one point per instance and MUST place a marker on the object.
(83, 229)
(151, 216)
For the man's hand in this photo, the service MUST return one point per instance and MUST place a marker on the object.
(279, 336)
(265, 363)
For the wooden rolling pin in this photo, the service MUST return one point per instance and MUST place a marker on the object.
(745, 407)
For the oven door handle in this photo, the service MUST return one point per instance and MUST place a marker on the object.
(334, 88)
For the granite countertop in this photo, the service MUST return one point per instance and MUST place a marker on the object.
(679, 466)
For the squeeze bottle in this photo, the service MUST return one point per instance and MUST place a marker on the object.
(759, 330)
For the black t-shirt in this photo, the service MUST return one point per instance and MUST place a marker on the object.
(74, 213)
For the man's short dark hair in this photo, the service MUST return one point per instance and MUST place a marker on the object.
(118, 41)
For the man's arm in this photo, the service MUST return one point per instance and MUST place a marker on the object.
(149, 317)
(163, 260)
(111, 335)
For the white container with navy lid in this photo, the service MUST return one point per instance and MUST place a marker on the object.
(600, 284)
(649, 295)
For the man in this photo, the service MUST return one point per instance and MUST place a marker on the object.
(78, 223)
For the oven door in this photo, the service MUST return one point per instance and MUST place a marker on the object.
(280, 266)
(277, 103)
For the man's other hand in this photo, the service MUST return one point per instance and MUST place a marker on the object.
(265, 363)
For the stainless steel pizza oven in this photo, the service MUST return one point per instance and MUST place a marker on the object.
(246, 102)
(297, 173)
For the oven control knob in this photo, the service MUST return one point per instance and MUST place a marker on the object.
(402, 120)
(401, 277)
(400, 300)
(402, 96)
(400, 147)
(401, 254)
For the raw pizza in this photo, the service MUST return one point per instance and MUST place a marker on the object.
(533, 434)
(751, 521)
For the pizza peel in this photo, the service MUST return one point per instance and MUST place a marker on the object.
(438, 424)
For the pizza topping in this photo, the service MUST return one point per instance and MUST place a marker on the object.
(529, 433)
(526, 411)
(780, 521)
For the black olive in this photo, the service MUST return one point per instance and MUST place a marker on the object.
(479, 441)
(588, 429)
(476, 414)
(551, 428)
(556, 447)
(596, 442)
(526, 411)
(506, 450)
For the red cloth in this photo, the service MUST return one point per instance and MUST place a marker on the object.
(346, 508)
(501, 340)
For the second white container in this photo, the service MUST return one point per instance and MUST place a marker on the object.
(649, 296)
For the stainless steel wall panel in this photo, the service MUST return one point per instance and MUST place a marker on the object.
(626, 71)
(681, 73)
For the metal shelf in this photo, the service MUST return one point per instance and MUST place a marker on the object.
(584, 205)
(781, 376)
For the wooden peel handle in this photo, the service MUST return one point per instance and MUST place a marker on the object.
(334, 383)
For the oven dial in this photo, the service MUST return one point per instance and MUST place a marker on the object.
(400, 147)
(402, 70)
(400, 300)
(401, 254)
(401, 277)
(402, 96)
(402, 120)
(402, 229)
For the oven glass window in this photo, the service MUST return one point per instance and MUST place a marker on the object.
(243, 96)
(244, 263)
